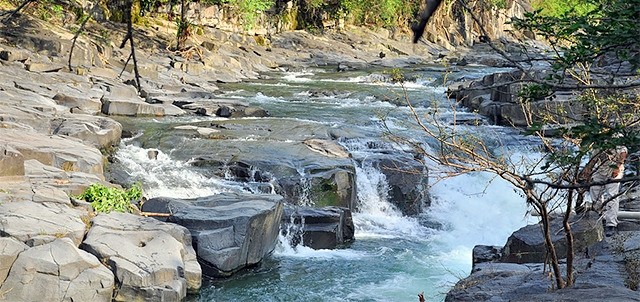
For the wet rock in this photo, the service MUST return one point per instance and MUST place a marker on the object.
(151, 260)
(327, 147)
(57, 271)
(407, 179)
(231, 231)
(318, 228)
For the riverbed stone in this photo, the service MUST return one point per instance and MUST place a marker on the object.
(57, 271)
(151, 260)
(25, 220)
(407, 179)
(231, 231)
(327, 147)
(318, 228)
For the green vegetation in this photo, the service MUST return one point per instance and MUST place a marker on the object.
(559, 8)
(384, 13)
(104, 199)
(250, 10)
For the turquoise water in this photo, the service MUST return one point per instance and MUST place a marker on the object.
(394, 258)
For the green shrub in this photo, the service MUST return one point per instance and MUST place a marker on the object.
(104, 199)
(559, 8)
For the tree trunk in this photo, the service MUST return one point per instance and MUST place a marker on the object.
(569, 236)
(546, 225)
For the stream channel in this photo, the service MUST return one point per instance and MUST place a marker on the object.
(394, 257)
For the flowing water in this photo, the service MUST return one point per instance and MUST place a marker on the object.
(394, 257)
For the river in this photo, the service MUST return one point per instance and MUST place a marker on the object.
(394, 257)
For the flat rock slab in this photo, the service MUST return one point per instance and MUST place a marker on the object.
(26, 220)
(152, 260)
(57, 271)
(131, 108)
(97, 131)
(64, 153)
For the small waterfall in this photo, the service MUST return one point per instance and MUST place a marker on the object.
(375, 215)
(305, 188)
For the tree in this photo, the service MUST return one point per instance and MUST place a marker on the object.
(595, 55)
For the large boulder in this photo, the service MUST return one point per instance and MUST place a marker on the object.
(318, 228)
(231, 231)
(526, 245)
(57, 271)
(28, 221)
(151, 260)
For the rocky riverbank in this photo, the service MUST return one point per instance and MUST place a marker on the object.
(56, 131)
(56, 134)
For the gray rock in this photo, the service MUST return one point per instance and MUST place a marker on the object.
(57, 271)
(526, 245)
(88, 105)
(10, 248)
(97, 131)
(327, 148)
(485, 253)
(407, 178)
(55, 183)
(151, 260)
(131, 108)
(318, 228)
(60, 152)
(26, 220)
(231, 231)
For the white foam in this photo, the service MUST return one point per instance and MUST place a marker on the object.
(284, 249)
(167, 177)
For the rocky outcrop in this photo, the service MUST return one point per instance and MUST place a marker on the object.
(151, 260)
(453, 25)
(57, 271)
(56, 151)
(498, 97)
(41, 222)
(318, 228)
(231, 231)
(526, 245)
(605, 269)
